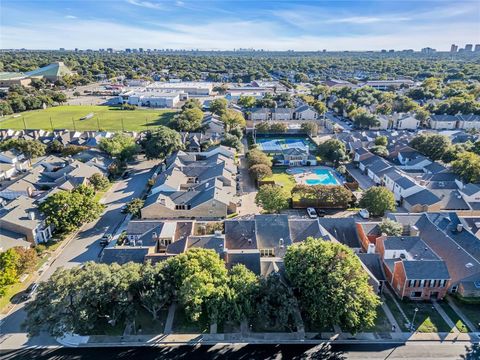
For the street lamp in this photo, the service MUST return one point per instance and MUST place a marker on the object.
(412, 327)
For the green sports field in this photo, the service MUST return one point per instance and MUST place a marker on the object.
(104, 118)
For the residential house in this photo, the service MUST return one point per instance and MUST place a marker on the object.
(412, 268)
(446, 235)
(194, 185)
(443, 122)
(21, 216)
(282, 114)
(305, 112)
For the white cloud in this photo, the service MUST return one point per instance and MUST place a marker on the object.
(70, 17)
(366, 20)
(146, 4)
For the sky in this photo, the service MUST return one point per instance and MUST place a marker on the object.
(229, 24)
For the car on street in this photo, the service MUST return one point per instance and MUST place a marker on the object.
(126, 175)
(105, 240)
(30, 292)
(312, 214)
(364, 213)
(321, 213)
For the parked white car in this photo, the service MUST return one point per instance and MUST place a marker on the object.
(364, 213)
(312, 214)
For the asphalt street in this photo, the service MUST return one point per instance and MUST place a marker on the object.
(410, 351)
(84, 247)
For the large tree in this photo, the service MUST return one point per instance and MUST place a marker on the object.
(155, 292)
(390, 227)
(467, 166)
(363, 119)
(260, 171)
(333, 150)
(30, 148)
(188, 119)
(201, 284)
(99, 182)
(162, 143)
(255, 157)
(68, 210)
(331, 284)
(79, 300)
(243, 286)
(122, 146)
(232, 119)
(247, 101)
(272, 198)
(9, 261)
(432, 145)
(377, 200)
(218, 106)
(310, 128)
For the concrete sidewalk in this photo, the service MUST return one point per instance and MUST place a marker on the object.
(272, 338)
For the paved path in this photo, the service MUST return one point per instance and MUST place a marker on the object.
(390, 317)
(169, 321)
(445, 317)
(363, 180)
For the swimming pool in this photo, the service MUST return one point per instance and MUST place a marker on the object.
(322, 177)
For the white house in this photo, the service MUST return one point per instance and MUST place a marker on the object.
(13, 157)
(282, 114)
(444, 122)
(305, 112)
(469, 121)
(406, 122)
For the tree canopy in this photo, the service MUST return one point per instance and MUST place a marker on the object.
(272, 198)
(331, 284)
(162, 143)
(377, 200)
(120, 145)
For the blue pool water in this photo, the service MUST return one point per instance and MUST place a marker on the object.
(323, 177)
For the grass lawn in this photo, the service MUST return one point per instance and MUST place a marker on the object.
(105, 118)
(11, 291)
(470, 310)
(282, 178)
(459, 324)
(395, 311)
(427, 319)
(182, 325)
(382, 325)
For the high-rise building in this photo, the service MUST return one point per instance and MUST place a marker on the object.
(477, 48)
(428, 50)
(453, 48)
(468, 47)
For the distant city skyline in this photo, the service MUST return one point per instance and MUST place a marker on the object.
(225, 25)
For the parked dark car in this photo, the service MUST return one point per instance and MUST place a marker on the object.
(126, 175)
(30, 291)
(105, 240)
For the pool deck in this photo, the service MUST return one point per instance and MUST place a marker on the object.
(309, 174)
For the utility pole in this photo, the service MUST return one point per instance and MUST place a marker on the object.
(98, 123)
(74, 127)
(24, 123)
(123, 127)
(412, 326)
(51, 123)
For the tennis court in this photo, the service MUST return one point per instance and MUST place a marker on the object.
(279, 144)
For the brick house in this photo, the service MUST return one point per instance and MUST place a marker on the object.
(412, 268)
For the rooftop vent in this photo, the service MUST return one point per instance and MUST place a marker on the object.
(468, 265)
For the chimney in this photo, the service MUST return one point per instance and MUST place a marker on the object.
(459, 227)
(31, 215)
(413, 230)
(371, 249)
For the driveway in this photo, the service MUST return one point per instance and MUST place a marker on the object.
(84, 247)
(363, 180)
(247, 186)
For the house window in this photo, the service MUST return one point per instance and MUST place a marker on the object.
(267, 252)
(416, 294)
(454, 289)
(165, 242)
(411, 283)
(442, 283)
(422, 283)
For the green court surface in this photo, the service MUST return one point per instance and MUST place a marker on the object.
(98, 118)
